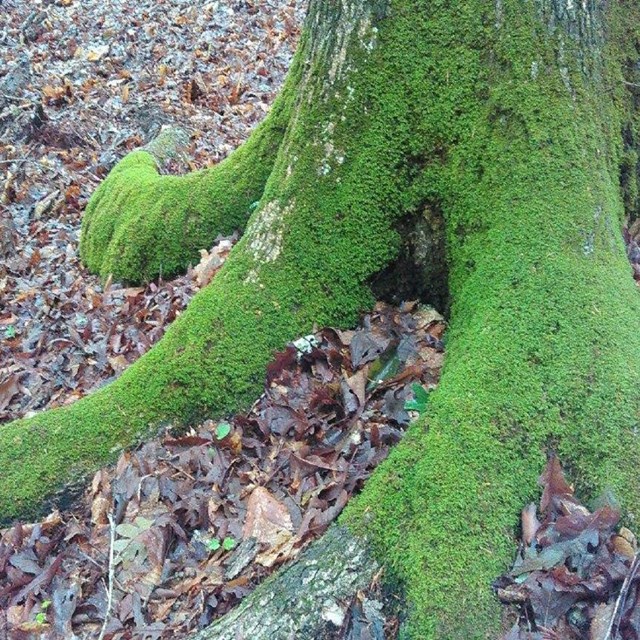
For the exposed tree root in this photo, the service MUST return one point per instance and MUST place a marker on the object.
(140, 224)
(307, 600)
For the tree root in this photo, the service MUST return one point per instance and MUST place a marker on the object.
(307, 600)
(140, 224)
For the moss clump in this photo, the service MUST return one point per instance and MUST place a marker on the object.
(139, 224)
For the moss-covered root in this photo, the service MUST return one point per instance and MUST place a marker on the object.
(139, 224)
(534, 370)
(543, 355)
(320, 231)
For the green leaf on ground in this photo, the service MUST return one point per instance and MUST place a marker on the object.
(223, 430)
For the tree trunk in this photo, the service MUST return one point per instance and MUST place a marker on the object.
(542, 351)
(506, 117)
(323, 227)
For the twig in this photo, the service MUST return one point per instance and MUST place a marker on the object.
(20, 160)
(180, 470)
(622, 596)
(116, 582)
(8, 96)
(86, 556)
(112, 541)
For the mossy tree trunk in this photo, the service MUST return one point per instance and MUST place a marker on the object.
(322, 228)
(515, 119)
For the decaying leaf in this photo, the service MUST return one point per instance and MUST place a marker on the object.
(97, 52)
(266, 518)
(8, 389)
(567, 579)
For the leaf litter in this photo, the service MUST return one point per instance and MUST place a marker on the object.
(199, 519)
(80, 87)
(576, 575)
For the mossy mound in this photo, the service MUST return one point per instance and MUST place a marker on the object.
(140, 224)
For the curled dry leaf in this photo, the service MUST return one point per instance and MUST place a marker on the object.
(8, 389)
(530, 523)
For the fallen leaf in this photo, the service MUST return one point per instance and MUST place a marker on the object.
(97, 53)
(266, 518)
(8, 389)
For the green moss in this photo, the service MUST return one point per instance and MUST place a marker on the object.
(140, 225)
(629, 174)
(628, 58)
(543, 348)
(459, 106)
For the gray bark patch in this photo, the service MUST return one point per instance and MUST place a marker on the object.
(307, 599)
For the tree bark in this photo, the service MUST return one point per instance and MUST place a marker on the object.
(507, 118)
(329, 573)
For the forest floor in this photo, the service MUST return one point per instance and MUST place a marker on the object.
(181, 529)
(81, 84)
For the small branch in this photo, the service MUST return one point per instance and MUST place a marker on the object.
(19, 160)
(116, 582)
(112, 540)
(29, 102)
(622, 596)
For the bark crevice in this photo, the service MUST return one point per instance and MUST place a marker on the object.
(420, 271)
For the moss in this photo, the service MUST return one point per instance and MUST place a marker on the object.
(210, 356)
(543, 348)
(140, 225)
(629, 181)
(628, 60)
(467, 106)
